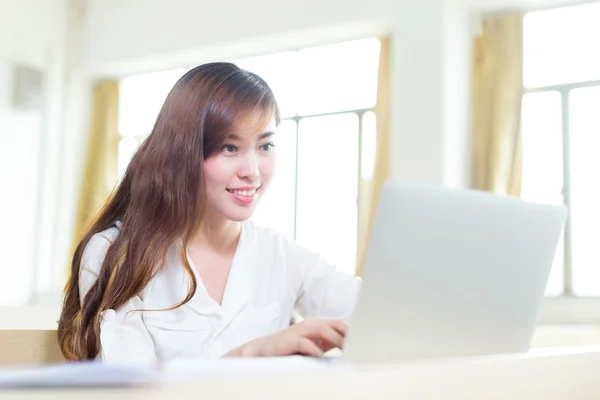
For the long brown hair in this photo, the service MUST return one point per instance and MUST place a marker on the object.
(161, 198)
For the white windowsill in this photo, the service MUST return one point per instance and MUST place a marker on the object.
(570, 310)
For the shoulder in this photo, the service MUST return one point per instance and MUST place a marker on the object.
(96, 248)
(93, 257)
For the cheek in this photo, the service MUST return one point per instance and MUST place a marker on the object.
(267, 168)
(217, 172)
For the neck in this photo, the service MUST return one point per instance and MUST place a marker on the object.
(218, 233)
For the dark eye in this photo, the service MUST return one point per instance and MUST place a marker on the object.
(267, 146)
(229, 148)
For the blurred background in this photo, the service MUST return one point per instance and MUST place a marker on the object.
(499, 95)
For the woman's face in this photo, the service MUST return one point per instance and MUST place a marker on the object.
(239, 174)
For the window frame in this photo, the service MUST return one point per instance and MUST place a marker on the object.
(567, 308)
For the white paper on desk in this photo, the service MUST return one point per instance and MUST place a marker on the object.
(198, 370)
(97, 374)
(77, 375)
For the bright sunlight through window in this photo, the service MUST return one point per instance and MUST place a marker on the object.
(561, 135)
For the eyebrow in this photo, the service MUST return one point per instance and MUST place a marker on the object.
(233, 136)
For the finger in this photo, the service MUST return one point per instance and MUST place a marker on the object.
(331, 337)
(319, 343)
(308, 347)
(341, 326)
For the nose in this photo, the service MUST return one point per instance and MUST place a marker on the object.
(249, 168)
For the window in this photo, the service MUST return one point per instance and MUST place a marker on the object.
(140, 100)
(325, 143)
(561, 136)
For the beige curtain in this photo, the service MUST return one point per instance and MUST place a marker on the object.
(497, 95)
(100, 173)
(370, 188)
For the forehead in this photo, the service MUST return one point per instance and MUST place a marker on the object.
(253, 125)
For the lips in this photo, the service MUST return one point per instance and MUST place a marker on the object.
(244, 195)
(243, 192)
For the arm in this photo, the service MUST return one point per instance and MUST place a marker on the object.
(123, 335)
(319, 291)
(312, 337)
(322, 291)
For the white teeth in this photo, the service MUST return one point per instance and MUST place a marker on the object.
(246, 193)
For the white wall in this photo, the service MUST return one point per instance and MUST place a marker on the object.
(429, 104)
(27, 28)
(207, 29)
(20, 138)
(122, 35)
(31, 34)
(460, 28)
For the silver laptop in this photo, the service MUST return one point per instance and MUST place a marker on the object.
(452, 273)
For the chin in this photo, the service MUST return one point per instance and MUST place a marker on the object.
(240, 215)
(239, 218)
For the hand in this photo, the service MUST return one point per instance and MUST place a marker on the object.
(311, 337)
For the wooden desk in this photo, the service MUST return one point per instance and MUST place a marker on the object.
(563, 374)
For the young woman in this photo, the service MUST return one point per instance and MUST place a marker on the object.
(172, 266)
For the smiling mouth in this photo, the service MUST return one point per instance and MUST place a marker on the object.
(244, 193)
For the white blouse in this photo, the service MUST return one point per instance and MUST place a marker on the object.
(270, 276)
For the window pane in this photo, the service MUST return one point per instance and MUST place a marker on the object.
(559, 45)
(543, 163)
(328, 187)
(127, 148)
(276, 209)
(279, 71)
(338, 77)
(585, 190)
(141, 98)
(556, 281)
